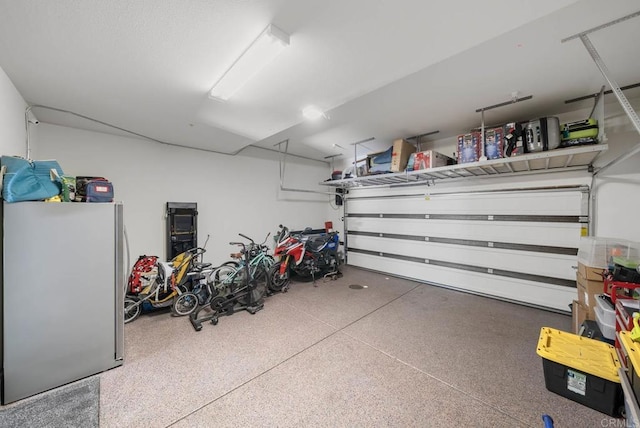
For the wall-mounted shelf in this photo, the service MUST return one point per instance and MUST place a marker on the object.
(557, 160)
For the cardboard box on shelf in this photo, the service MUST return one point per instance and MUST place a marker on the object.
(579, 314)
(430, 159)
(587, 291)
(590, 272)
(469, 147)
(494, 143)
(402, 149)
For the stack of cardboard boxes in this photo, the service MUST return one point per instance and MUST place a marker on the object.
(590, 283)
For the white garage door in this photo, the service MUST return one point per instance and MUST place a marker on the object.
(513, 245)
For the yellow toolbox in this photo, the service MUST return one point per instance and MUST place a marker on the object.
(581, 369)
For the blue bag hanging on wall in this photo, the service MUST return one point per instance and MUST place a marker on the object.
(26, 180)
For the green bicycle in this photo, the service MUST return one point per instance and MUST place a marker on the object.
(229, 277)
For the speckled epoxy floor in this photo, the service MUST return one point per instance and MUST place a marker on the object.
(397, 353)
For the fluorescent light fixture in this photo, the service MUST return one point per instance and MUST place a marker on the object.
(312, 113)
(265, 48)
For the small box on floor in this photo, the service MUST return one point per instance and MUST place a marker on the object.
(469, 147)
(591, 330)
(581, 369)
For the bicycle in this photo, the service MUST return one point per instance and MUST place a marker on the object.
(260, 262)
(233, 292)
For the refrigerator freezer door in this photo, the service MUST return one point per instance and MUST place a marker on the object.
(59, 294)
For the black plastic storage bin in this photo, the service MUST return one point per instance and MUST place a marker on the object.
(581, 369)
(600, 394)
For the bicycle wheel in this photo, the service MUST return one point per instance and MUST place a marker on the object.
(131, 310)
(225, 278)
(277, 281)
(260, 274)
(184, 304)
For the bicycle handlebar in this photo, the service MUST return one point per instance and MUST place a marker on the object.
(196, 250)
(246, 237)
(267, 237)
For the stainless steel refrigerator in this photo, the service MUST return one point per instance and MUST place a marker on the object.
(62, 294)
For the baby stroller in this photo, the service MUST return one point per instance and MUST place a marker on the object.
(169, 286)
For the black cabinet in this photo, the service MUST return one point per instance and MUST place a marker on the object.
(182, 227)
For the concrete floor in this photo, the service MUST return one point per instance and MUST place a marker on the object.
(397, 353)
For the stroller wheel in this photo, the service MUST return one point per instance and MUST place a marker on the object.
(131, 310)
(184, 304)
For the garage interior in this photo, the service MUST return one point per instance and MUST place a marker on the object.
(448, 273)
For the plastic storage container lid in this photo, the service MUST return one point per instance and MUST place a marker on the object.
(581, 353)
(632, 350)
(597, 251)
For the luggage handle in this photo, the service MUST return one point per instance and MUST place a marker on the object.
(543, 134)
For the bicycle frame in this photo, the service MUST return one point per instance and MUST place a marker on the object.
(244, 295)
(260, 260)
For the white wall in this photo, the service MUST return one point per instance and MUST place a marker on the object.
(12, 125)
(617, 189)
(234, 194)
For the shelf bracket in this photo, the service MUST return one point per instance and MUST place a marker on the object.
(569, 159)
(514, 99)
(419, 138)
(355, 153)
(283, 164)
(622, 99)
(598, 112)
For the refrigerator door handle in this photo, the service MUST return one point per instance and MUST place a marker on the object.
(120, 281)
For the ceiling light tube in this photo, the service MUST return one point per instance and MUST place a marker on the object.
(265, 48)
(312, 113)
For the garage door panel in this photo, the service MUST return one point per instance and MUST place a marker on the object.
(548, 265)
(532, 203)
(551, 234)
(526, 292)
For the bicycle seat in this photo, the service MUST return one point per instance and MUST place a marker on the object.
(200, 266)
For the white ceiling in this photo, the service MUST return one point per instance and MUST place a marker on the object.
(383, 69)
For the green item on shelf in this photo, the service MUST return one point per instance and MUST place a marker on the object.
(68, 188)
(624, 262)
